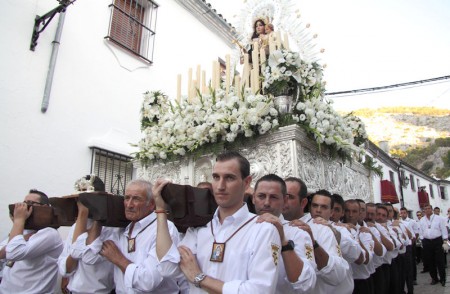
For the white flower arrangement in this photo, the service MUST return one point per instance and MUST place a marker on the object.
(176, 129)
(179, 129)
(85, 185)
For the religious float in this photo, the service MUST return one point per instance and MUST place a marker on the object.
(275, 113)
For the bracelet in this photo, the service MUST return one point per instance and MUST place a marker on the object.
(161, 211)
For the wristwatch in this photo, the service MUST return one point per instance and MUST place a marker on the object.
(289, 246)
(198, 279)
(316, 245)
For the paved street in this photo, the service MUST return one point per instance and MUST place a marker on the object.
(424, 287)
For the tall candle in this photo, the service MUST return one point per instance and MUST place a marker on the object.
(190, 84)
(213, 75)
(227, 74)
(278, 40)
(286, 41)
(219, 78)
(237, 85)
(255, 53)
(245, 77)
(203, 82)
(179, 89)
(271, 45)
(198, 75)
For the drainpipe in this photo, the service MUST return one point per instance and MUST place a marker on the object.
(51, 66)
(400, 180)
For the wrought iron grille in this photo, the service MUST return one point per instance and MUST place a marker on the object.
(132, 26)
(115, 170)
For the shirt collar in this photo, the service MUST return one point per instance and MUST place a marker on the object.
(239, 216)
(141, 223)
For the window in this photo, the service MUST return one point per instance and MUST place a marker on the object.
(391, 177)
(114, 169)
(431, 191)
(132, 26)
(412, 183)
(443, 193)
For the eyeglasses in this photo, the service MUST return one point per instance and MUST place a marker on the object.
(30, 202)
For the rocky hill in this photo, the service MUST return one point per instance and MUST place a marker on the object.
(411, 133)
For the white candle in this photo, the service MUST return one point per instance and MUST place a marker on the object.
(203, 82)
(255, 53)
(237, 85)
(179, 89)
(245, 77)
(271, 45)
(286, 41)
(278, 40)
(190, 84)
(218, 78)
(227, 74)
(198, 75)
(213, 76)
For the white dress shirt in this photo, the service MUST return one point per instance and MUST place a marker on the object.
(35, 268)
(433, 227)
(250, 259)
(142, 275)
(363, 271)
(336, 276)
(87, 278)
(304, 249)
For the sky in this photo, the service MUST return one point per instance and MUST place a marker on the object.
(373, 43)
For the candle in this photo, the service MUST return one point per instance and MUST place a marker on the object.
(218, 75)
(278, 40)
(198, 74)
(262, 55)
(245, 77)
(203, 82)
(227, 74)
(237, 85)
(286, 41)
(255, 52)
(189, 84)
(179, 89)
(213, 75)
(271, 45)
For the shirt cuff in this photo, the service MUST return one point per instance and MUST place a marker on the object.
(231, 287)
(77, 248)
(128, 276)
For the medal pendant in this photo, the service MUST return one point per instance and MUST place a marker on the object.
(217, 252)
(131, 245)
(9, 263)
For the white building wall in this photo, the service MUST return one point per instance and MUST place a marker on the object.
(97, 88)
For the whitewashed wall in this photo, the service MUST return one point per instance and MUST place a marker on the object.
(97, 88)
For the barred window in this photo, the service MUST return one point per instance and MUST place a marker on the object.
(132, 26)
(115, 170)
(443, 192)
(431, 191)
(412, 182)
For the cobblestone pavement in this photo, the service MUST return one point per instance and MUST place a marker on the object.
(423, 283)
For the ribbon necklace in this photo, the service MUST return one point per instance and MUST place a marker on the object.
(132, 241)
(218, 249)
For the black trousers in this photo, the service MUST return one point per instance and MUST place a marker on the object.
(408, 270)
(361, 286)
(379, 281)
(433, 256)
(394, 285)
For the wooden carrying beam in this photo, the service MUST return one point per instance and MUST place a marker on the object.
(103, 207)
(188, 206)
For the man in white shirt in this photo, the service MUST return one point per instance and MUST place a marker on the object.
(433, 233)
(133, 249)
(31, 256)
(297, 266)
(84, 275)
(233, 253)
(410, 271)
(332, 269)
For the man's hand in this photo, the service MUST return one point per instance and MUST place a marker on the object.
(365, 230)
(188, 263)
(304, 226)
(28, 236)
(321, 221)
(111, 252)
(22, 212)
(156, 191)
(270, 218)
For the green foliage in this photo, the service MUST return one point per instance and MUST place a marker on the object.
(398, 153)
(442, 142)
(427, 166)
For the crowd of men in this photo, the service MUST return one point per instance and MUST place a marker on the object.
(283, 240)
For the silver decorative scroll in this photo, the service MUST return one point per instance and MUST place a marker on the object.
(285, 152)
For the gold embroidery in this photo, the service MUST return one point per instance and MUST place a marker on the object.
(309, 252)
(275, 251)
(339, 250)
